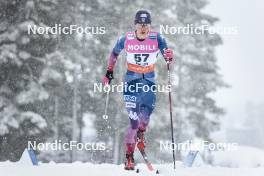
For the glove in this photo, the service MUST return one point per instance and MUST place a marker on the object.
(108, 77)
(168, 55)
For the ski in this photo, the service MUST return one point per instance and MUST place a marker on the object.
(147, 162)
(145, 158)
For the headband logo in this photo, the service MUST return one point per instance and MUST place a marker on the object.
(143, 15)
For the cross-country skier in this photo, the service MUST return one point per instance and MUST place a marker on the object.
(142, 47)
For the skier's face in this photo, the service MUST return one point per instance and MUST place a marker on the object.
(142, 29)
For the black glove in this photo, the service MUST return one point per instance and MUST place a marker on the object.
(109, 75)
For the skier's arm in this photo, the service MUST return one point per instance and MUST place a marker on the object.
(119, 46)
(165, 51)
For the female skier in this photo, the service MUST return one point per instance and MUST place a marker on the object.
(142, 47)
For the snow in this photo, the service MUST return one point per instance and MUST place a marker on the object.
(24, 55)
(33, 92)
(88, 169)
(7, 117)
(252, 155)
(34, 118)
(244, 156)
(88, 131)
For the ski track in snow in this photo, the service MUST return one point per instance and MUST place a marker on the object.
(88, 169)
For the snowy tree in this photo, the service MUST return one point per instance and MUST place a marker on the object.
(21, 62)
(46, 81)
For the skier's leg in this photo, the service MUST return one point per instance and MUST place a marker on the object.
(145, 113)
(146, 107)
(130, 137)
(144, 117)
(130, 98)
(131, 104)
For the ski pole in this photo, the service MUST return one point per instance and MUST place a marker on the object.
(171, 121)
(105, 116)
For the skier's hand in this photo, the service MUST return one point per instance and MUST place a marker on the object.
(108, 77)
(168, 55)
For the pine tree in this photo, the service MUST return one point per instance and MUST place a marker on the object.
(22, 59)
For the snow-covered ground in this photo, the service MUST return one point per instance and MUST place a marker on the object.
(246, 161)
(88, 169)
(244, 156)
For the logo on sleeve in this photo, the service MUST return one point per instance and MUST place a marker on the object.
(152, 36)
(130, 36)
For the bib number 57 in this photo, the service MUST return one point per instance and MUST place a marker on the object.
(141, 59)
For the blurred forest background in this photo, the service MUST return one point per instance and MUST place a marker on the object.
(46, 81)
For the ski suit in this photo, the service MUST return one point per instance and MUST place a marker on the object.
(139, 97)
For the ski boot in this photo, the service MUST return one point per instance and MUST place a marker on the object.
(129, 164)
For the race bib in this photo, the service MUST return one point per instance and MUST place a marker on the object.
(141, 55)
